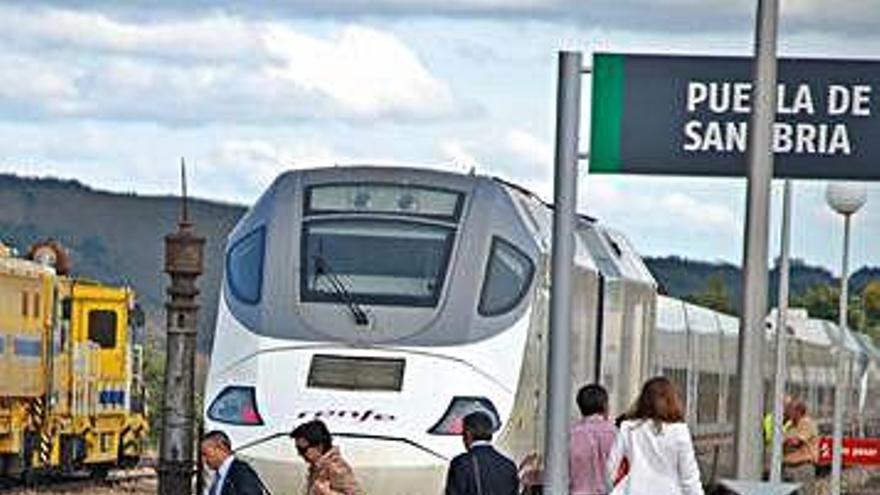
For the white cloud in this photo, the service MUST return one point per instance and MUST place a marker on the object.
(211, 38)
(30, 82)
(368, 72)
(666, 216)
(243, 169)
(67, 64)
(529, 148)
(459, 155)
(847, 18)
(700, 214)
(93, 91)
(512, 154)
(257, 162)
(662, 206)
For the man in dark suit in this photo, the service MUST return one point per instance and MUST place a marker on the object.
(231, 476)
(481, 470)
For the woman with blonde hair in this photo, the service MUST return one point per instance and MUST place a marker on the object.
(656, 444)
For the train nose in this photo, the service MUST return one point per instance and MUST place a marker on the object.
(381, 465)
(371, 392)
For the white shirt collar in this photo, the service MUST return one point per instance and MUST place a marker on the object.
(481, 443)
(223, 470)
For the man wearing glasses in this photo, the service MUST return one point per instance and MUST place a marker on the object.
(329, 474)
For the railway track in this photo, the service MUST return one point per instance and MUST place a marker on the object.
(78, 483)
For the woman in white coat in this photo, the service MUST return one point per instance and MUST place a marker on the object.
(655, 443)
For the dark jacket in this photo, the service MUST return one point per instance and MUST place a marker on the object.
(242, 480)
(498, 474)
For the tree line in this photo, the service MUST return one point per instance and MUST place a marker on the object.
(820, 300)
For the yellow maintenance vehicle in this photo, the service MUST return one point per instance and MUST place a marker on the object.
(72, 395)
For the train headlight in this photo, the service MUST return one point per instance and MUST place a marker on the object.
(459, 407)
(236, 405)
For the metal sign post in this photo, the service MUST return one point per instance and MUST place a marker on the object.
(748, 441)
(568, 107)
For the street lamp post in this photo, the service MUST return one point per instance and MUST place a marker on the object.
(845, 199)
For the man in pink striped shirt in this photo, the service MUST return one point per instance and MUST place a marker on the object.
(591, 441)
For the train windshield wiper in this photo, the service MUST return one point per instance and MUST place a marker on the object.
(339, 290)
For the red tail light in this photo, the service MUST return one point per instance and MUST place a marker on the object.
(236, 405)
(451, 422)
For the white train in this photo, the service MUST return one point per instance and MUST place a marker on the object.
(391, 302)
(697, 349)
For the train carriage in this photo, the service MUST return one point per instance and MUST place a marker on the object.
(697, 349)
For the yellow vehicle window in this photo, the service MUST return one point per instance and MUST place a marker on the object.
(102, 328)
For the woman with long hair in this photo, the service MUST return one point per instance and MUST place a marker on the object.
(656, 444)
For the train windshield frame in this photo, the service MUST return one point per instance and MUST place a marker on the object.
(377, 243)
(374, 261)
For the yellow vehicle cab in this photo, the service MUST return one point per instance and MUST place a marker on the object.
(71, 388)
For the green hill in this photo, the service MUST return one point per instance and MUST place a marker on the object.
(681, 277)
(117, 238)
(684, 278)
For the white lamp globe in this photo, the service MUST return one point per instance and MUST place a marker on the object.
(845, 197)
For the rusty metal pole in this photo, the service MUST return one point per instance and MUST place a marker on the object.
(183, 262)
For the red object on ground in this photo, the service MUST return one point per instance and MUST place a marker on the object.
(856, 451)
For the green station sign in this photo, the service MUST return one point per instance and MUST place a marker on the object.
(682, 115)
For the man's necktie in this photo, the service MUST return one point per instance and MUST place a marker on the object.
(215, 485)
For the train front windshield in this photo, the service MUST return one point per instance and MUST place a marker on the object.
(375, 262)
(377, 243)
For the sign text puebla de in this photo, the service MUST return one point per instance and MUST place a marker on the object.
(678, 115)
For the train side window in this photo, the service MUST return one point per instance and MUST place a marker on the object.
(708, 388)
(244, 266)
(102, 328)
(678, 377)
(508, 274)
(732, 396)
(826, 402)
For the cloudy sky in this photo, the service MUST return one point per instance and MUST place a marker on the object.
(113, 94)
